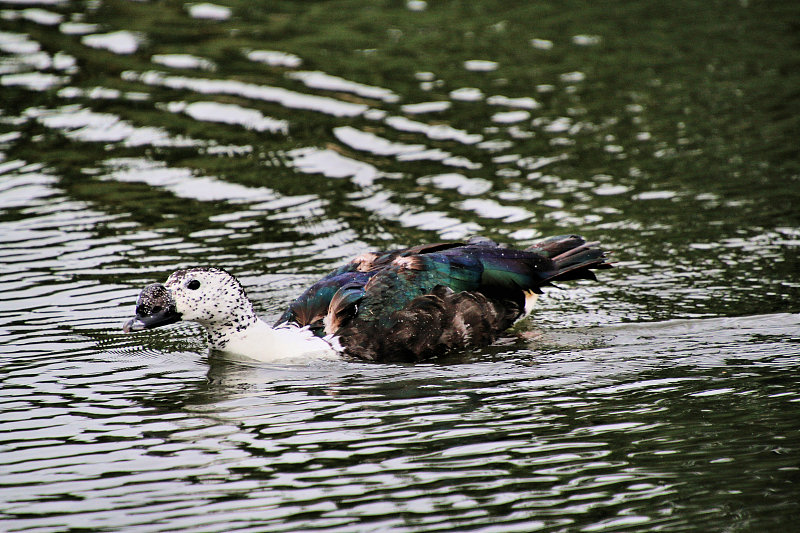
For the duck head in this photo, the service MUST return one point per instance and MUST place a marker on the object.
(209, 296)
(154, 308)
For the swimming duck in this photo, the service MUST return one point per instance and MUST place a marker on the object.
(402, 305)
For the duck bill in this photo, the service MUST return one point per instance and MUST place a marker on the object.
(139, 323)
(154, 308)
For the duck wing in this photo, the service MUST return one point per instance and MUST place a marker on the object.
(416, 303)
(421, 305)
(338, 291)
(311, 307)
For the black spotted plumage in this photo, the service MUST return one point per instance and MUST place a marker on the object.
(421, 302)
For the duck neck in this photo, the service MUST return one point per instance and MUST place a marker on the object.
(221, 333)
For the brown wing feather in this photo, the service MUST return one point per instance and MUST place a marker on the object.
(431, 325)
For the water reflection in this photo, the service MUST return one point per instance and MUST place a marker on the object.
(86, 125)
(575, 433)
(118, 42)
(284, 97)
(137, 138)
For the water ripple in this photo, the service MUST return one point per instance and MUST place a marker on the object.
(663, 399)
(285, 97)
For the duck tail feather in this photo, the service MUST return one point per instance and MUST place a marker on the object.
(579, 260)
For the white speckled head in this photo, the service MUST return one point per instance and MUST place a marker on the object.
(211, 297)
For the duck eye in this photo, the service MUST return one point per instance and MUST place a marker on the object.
(193, 285)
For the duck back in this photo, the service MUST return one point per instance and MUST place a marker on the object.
(421, 302)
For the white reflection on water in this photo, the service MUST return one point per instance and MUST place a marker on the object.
(35, 81)
(437, 132)
(207, 10)
(380, 202)
(183, 61)
(608, 189)
(524, 102)
(541, 44)
(557, 125)
(427, 107)
(369, 142)
(481, 65)
(22, 186)
(101, 93)
(56, 235)
(467, 94)
(18, 44)
(333, 165)
(510, 117)
(285, 97)
(77, 28)
(587, 40)
(655, 195)
(274, 58)
(459, 182)
(321, 80)
(436, 154)
(572, 77)
(182, 182)
(121, 42)
(487, 208)
(23, 66)
(251, 119)
(86, 125)
(36, 15)
(534, 163)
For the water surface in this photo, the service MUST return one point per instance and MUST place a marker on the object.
(280, 139)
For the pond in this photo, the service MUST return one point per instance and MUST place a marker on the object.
(279, 139)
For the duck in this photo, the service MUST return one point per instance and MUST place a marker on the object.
(405, 305)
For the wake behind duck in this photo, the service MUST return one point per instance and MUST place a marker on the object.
(403, 305)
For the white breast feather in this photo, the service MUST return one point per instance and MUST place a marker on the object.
(285, 343)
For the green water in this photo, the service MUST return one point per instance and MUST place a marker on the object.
(296, 135)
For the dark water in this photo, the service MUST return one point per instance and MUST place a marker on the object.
(278, 139)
